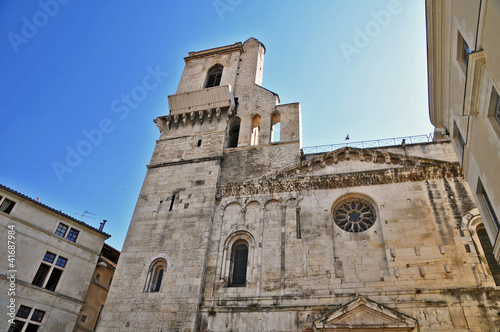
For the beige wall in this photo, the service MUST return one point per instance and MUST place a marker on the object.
(95, 297)
(35, 227)
(460, 96)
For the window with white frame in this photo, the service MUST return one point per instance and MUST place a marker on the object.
(50, 271)
(27, 320)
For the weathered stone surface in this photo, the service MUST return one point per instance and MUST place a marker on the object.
(202, 201)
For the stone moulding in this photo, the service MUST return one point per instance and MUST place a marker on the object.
(296, 178)
(183, 162)
(335, 181)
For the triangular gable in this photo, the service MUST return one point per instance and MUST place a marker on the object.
(363, 314)
(317, 174)
(348, 156)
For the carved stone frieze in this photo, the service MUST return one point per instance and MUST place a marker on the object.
(354, 154)
(335, 181)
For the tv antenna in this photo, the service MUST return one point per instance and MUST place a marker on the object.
(85, 215)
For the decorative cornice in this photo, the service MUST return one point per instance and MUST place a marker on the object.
(344, 180)
(298, 177)
(350, 153)
(218, 50)
(170, 122)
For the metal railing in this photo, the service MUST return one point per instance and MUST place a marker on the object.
(378, 143)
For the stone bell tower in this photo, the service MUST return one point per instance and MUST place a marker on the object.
(220, 118)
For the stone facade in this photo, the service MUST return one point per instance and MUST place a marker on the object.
(237, 231)
(53, 257)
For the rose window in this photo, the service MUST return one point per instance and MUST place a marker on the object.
(354, 215)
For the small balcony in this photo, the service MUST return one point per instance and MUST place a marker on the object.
(199, 100)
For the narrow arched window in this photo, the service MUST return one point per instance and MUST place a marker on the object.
(239, 264)
(234, 132)
(275, 127)
(488, 252)
(155, 276)
(214, 76)
(254, 139)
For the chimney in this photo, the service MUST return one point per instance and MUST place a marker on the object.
(102, 225)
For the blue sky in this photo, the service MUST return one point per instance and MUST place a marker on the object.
(357, 67)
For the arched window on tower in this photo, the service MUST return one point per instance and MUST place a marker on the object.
(275, 127)
(234, 132)
(155, 276)
(213, 76)
(254, 139)
(488, 252)
(239, 262)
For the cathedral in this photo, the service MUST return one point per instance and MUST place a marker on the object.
(235, 229)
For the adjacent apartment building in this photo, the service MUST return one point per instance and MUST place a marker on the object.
(48, 266)
(463, 40)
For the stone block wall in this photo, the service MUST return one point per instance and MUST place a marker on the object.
(171, 222)
(416, 257)
(201, 199)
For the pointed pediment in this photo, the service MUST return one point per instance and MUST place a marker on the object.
(352, 160)
(344, 168)
(363, 314)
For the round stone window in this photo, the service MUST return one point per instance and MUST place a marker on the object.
(354, 215)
